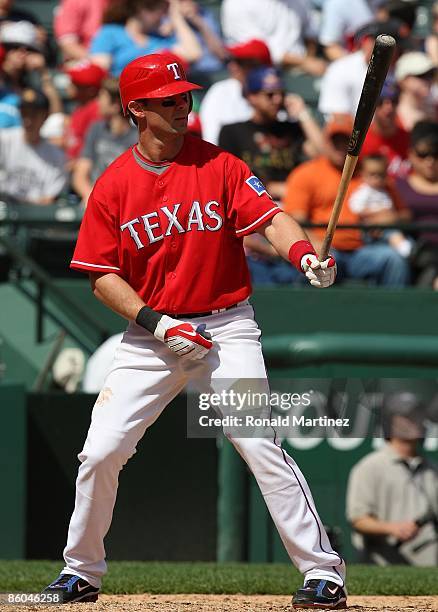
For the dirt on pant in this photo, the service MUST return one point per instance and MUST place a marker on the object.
(227, 603)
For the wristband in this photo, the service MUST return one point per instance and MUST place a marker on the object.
(148, 318)
(297, 252)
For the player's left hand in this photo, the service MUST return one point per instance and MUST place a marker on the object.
(184, 338)
(319, 273)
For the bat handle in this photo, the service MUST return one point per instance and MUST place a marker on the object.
(347, 173)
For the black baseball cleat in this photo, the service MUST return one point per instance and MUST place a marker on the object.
(72, 588)
(320, 595)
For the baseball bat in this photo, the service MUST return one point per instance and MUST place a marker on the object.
(378, 67)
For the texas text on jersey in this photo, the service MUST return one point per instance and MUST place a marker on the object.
(164, 226)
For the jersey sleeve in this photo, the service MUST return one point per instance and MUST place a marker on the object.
(97, 248)
(249, 204)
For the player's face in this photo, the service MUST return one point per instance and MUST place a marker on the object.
(168, 115)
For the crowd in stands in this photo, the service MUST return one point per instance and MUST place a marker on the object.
(61, 123)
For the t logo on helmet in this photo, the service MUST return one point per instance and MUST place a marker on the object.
(174, 67)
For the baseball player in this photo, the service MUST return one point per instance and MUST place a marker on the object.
(161, 240)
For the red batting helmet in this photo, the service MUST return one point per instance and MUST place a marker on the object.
(158, 75)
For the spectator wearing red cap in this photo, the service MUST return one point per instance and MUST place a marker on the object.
(105, 140)
(129, 31)
(75, 23)
(386, 136)
(86, 79)
(224, 102)
(286, 26)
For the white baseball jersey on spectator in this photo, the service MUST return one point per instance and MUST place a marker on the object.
(223, 104)
(341, 19)
(282, 24)
(342, 84)
(30, 172)
(368, 200)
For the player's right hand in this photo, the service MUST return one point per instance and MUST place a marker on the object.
(319, 273)
(184, 338)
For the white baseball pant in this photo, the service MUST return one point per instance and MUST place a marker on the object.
(144, 378)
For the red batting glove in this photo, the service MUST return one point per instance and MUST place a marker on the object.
(183, 338)
(319, 273)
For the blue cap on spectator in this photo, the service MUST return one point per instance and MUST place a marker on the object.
(34, 98)
(390, 90)
(263, 79)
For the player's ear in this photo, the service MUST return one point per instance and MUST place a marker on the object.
(137, 110)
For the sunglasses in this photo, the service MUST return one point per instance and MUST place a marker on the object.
(425, 154)
(426, 76)
(167, 102)
(15, 46)
(394, 101)
(272, 94)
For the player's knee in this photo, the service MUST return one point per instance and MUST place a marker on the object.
(113, 452)
(249, 448)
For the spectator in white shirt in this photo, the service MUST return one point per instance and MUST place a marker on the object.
(342, 83)
(224, 102)
(339, 22)
(31, 169)
(286, 26)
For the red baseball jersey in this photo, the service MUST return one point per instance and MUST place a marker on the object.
(175, 231)
(394, 148)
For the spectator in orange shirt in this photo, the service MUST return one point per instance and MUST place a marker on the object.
(310, 192)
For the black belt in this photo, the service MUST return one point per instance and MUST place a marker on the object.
(194, 315)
